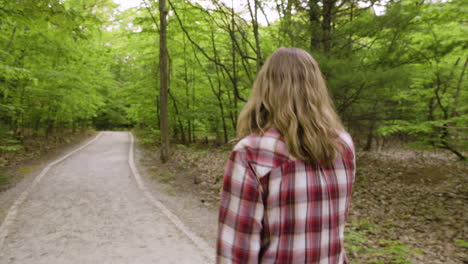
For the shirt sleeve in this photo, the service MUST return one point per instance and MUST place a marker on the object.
(240, 213)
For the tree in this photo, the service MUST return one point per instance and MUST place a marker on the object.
(163, 85)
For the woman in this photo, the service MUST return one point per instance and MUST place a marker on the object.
(287, 185)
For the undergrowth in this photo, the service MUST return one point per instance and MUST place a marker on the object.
(147, 136)
(359, 245)
(3, 179)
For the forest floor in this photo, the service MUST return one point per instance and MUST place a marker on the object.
(407, 206)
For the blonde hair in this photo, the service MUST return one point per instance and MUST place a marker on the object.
(290, 94)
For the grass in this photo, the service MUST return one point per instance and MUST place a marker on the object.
(165, 177)
(147, 136)
(169, 190)
(396, 250)
(26, 170)
(3, 179)
(358, 243)
(461, 243)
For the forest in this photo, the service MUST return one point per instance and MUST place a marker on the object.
(396, 71)
(75, 64)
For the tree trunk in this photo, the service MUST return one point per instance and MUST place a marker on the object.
(370, 136)
(327, 13)
(457, 93)
(187, 93)
(254, 16)
(314, 23)
(163, 81)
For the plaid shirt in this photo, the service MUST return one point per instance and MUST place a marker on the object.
(276, 209)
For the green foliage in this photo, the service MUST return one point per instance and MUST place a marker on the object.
(166, 177)
(461, 243)
(7, 143)
(398, 251)
(72, 64)
(3, 179)
(11, 148)
(385, 251)
(53, 67)
(148, 136)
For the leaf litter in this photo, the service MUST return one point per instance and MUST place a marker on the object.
(407, 206)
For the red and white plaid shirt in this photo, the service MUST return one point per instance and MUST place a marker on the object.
(276, 209)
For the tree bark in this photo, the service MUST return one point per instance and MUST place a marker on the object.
(254, 16)
(163, 82)
(327, 13)
(457, 93)
(314, 21)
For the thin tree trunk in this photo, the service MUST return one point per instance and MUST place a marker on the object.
(193, 102)
(327, 13)
(11, 38)
(187, 93)
(220, 102)
(217, 62)
(163, 82)
(314, 23)
(179, 122)
(218, 93)
(234, 69)
(176, 108)
(370, 136)
(254, 16)
(457, 93)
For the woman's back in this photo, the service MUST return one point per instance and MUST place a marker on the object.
(277, 209)
(287, 186)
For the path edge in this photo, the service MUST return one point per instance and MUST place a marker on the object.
(207, 251)
(12, 212)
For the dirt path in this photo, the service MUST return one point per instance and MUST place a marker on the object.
(90, 209)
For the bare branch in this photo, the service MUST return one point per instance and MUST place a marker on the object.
(236, 91)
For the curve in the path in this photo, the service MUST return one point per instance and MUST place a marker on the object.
(88, 209)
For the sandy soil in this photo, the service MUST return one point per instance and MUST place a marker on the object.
(88, 209)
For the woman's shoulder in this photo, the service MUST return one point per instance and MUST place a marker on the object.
(346, 138)
(263, 151)
(268, 140)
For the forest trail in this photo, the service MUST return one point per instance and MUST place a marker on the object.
(90, 209)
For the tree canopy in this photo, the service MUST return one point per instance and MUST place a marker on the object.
(74, 64)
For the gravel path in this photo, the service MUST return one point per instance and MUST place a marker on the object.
(89, 209)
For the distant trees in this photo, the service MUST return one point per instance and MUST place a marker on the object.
(397, 75)
(54, 68)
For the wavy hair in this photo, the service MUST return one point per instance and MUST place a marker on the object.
(290, 95)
